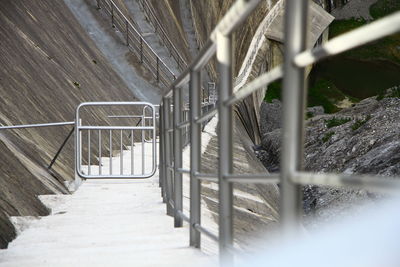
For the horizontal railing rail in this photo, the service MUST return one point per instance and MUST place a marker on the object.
(292, 176)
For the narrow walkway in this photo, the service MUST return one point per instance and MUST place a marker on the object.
(117, 53)
(105, 223)
(151, 37)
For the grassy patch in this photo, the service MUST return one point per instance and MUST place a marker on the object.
(327, 136)
(336, 122)
(274, 91)
(386, 48)
(322, 93)
(77, 84)
(384, 7)
(360, 123)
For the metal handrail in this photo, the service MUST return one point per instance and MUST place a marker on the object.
(139, 45)
(148, 9)
(296, 58)
(40, 125)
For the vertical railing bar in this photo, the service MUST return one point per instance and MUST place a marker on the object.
(294, 93)
(127, 32)
(111, 153)
(99, 152)
(132, 154)
(143, 141)
(177, 133)
(89, 152)
(112, 13)
(225, 140)
(167, 151)
(121, 154)
(195, 157)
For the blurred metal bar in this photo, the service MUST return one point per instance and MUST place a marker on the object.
(207, 116)
(177, 117)
(294, 93)
(259, 82)
(355, 38)
(203, 230)
(225, 152)
(373, 183)
(253, 178)
(195, 156)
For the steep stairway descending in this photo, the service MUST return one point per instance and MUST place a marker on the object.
(151, 37)
(106, 223)
(117, 53)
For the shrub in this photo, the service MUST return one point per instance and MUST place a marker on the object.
(360, 123)
(327, 136)
(336, 122)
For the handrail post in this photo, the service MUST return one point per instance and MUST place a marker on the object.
(294, 93)
(112, 13)
(177, 118)
(195, 157)
(158, 66)
(141, 50)
(225, 140)
(127, 32)
(167, 154)
(161, 164)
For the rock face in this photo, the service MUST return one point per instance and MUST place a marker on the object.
(359, 139)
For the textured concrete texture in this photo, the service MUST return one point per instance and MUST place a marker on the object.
(49, 66)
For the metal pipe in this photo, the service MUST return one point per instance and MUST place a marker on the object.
(121, 165)
(225, 153)
(132, 154)
(52, 124)
(177, 135)
(167, 149)
(195, 157)
(61, 148)
(372, 183)
(89, 153)
(203, 230)
(260, 178)
(206, 116)
(99, 152)
(255, 85)
(380, 28)
(294, 92)
(111, 152)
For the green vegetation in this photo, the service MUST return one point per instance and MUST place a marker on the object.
(309, 115)
(336, 122)
(327, 136)
(360, 123)
(386, 48)
(274, 91)
(94, 61)
(77, 84)
(321, 93)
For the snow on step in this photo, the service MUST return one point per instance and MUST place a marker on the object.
(106, 223)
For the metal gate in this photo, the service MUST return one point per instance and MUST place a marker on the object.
(121, 145)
